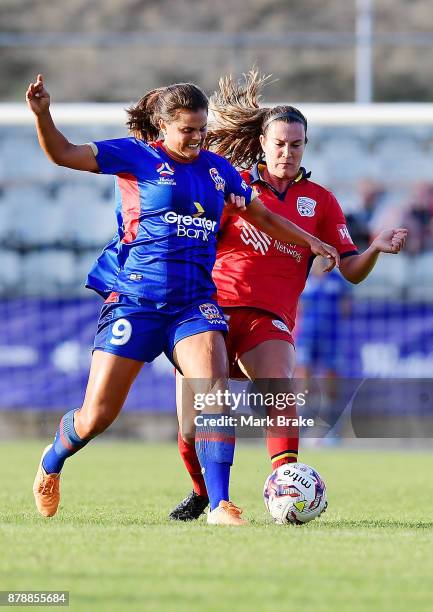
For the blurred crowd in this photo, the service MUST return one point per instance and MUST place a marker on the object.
(376, 208)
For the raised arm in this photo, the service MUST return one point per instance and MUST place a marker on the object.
(356, 268)
(56, 147)
(280, 228)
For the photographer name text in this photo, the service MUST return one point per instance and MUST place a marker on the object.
(202, 420)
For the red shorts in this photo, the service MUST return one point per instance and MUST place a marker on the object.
(249, 327)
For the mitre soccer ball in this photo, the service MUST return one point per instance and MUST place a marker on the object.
(295, 493)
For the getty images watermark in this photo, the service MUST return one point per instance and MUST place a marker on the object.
(257, 401)
(319, 407)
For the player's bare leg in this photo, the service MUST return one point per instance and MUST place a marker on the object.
(269, 359)
(203, 360)
(109, 382)
(185, 408)
(275, 359)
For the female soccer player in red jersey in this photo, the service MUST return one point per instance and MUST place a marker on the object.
(156, 272)
(260, 279)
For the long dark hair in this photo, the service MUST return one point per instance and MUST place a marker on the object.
(238, 120)
(162, 104)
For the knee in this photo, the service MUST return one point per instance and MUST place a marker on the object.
(90, 423)
(188, 437)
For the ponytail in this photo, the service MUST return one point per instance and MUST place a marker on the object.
(141, 116)
(239, 121)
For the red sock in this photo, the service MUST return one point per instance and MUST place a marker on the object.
(192, 464)
(282, 451)
(282, 442)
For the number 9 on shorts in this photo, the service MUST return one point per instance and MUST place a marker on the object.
(121, 332)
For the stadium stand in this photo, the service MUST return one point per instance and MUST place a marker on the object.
(378, 175)
(24, 161)
(88, 219)
(49, 272)
(10, 278)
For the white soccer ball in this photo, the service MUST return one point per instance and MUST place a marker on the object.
(295, 493)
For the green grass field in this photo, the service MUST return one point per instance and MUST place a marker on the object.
(113, 548)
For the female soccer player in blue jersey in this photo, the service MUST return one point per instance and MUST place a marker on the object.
(155, 275)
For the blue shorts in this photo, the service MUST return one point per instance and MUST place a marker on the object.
(138, 329)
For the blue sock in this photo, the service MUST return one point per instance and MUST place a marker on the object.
(66, 443)
(215, 446)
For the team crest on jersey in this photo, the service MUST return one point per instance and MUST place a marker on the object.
(306, 206)
(166, 173)
(217, 179)
(211, 313)
(280, 325)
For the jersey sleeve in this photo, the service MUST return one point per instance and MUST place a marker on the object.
(117, 155)
(333, 228)
(234, 183)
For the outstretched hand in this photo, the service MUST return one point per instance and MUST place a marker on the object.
(37, 97)
(327, 251)
(390, 241)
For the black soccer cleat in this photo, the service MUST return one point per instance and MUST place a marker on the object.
(190, 508)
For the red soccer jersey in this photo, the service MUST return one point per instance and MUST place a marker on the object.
(253, 269)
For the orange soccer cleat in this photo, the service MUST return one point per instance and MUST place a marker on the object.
(226, 514)
(46, 489)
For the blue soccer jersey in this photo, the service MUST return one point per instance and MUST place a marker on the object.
(168, 215)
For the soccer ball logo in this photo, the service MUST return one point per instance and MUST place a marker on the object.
(295, 493)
